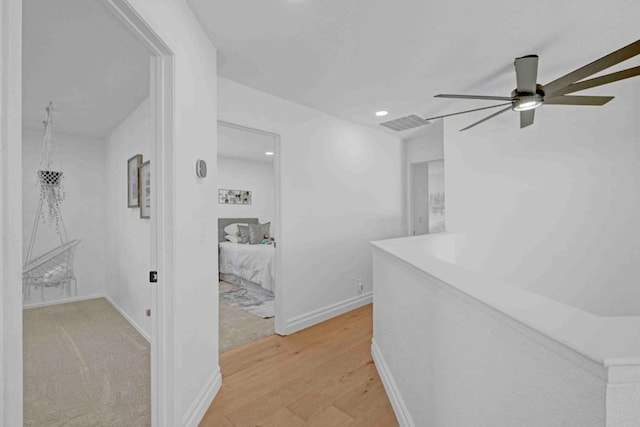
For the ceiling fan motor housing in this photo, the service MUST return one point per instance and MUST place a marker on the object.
(523, 101)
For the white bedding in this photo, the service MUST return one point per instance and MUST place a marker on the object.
(249, 262)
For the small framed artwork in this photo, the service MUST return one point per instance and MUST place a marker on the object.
(145, 190)
(133, 181)
(234, 197)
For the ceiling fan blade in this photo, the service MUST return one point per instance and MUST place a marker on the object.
(526, 73)
(504, 110)
(526, 118)
(578, 100)
(596, 66)
(492, 98)
(599, 81)
(469, 111)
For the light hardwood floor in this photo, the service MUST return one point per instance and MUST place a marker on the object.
(321, 376)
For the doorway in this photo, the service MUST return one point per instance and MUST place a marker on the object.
(427, 197)
(161, 104)
(248, 202)
(86, 338)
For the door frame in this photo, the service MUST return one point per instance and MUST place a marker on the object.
(412, 199)
(11, 212)
(279, 294)
(162, 221)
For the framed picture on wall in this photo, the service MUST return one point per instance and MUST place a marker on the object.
(234, 197)
(133, 181)
(145, 190)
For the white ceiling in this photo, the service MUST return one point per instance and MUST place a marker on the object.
(243, 144)
(352, 58)
(79, 56)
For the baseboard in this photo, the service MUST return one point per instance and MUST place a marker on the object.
(62, 301)
(390, 386)
(203, 401)
(311, 318)
(129, 319)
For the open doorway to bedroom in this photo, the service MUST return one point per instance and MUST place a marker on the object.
(247, 234)
(87, 332)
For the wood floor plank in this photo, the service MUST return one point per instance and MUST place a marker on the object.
(353, 368)
(321, 376)
(308, 383)
(372, 409)
(279, 417)
(277, 372)
(367, 387)
(243, 357)
(330, 417)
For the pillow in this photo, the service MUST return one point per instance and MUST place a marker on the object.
(233, 239)
(232, 229)
(257, 232)
(244, 233)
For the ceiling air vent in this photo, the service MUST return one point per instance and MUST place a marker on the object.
(404, 123)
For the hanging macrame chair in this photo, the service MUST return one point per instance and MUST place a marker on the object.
(54, 268)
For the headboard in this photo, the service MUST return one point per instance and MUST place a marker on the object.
(223, 222)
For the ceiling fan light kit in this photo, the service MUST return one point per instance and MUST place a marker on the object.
(527, 102)
(529, 95)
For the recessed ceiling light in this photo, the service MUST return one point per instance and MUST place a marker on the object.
(269, 153)
(382, 113)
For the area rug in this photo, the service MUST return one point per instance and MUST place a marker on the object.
(84, 365)
(251, 298)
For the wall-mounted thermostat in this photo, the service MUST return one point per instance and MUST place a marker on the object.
(201, 168)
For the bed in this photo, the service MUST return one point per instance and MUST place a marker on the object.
(243, 263)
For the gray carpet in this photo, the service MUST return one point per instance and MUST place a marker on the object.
(238, 327)
(251, 298)
(84, 365)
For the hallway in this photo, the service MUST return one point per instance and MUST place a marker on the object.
(321, 376)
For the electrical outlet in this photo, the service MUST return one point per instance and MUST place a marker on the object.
(360, 286)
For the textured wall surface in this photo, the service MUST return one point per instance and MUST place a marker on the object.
(623, 405)
(457, 364)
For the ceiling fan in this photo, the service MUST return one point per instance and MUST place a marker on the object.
(529, 95)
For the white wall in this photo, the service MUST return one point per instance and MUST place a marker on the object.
(127, 235)
(83, 210)
(448, 360)
(259, 178)
(340, 188)
(193, 346)
(554, 207)
(424, 146)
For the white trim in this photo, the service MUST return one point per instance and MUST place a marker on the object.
(128, 318)
(203, 400)
(11, 213)
(390, 386)
(311, 318)
(62, 301)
